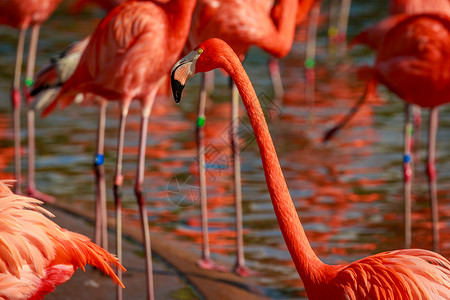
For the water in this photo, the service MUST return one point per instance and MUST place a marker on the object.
(348, 192)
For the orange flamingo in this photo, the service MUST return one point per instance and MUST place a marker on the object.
(22, 14)
(400, 274)
(242, 24)
(36, 254)
(412, 62)
(129, 53)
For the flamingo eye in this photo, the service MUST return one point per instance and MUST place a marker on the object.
(199, 50)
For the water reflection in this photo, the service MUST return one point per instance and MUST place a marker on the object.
(347, 192)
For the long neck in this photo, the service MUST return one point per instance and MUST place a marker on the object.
(179, 13)
(307, 263)
(280, 44)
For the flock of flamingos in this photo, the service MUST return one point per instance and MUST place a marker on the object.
(134, 53)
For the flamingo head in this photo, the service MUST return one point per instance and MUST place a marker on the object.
(204, 58)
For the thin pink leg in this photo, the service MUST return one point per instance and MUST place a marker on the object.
(417, 119)
(370, 87)
(332, 28)
(16, 100)
(275, 75)
(101, 225)
(240, 267)
(310, 58)
(407, 175)
(205, 262)
(431, 170)
(118, 181)
(209, 82)
(31, 190)
(141, 199)
(342, 26)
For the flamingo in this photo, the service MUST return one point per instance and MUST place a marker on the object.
(432, 54)
(399, 274)
(129, 53)
(411, 62)
(22, 14)
(36, 254)
(242, 24)
(47, 84)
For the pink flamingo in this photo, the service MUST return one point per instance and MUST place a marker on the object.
(47, 84)
(36, 254)
(242, 24)
(129, 53)
(400, 274)
(22, 14)
(412, 62)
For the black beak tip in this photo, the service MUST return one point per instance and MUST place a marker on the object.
(177, 89)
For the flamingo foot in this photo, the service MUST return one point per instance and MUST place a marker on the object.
(208, 264)
(33, 192)
(243, 271)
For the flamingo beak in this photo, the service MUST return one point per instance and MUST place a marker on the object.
(181, 72)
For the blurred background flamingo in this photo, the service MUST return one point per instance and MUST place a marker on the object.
(23, 15)
(414, 70)
(115, 67)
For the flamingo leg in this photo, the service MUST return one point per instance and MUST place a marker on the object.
(342, 25)
(240, 267)
(370, 89)
(118, 181)
(16, 103)
(275, 75)
(141, 198)
(209, 82)
(431, 170)
(332, 28)
(31, 189)
(101, 226)
(205, 262)
(416, 133)
(407, 175)
(310, 56)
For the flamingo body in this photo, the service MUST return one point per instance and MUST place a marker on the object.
(127, 54)
(401, 274)
(23, 14)
(414, 61)
(245, 23)
(373, 35)
(36, 255)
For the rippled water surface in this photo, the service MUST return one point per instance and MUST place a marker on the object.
(348, 193)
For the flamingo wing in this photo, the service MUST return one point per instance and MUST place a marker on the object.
(401, 274)
(36, 254)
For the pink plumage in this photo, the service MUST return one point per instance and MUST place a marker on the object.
(36, 254)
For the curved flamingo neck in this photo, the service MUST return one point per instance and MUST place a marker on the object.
(179, 13)
(308, 265)
(280, 43)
